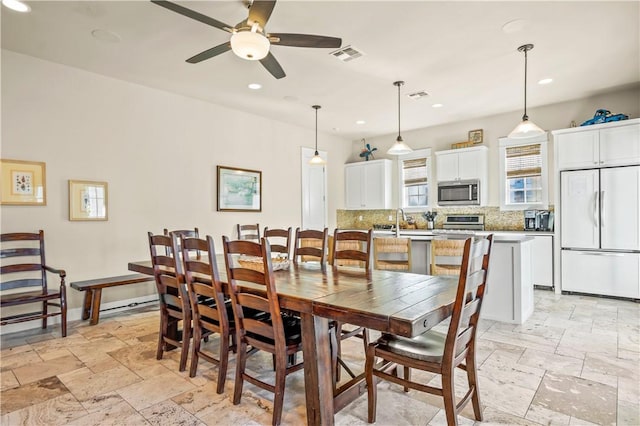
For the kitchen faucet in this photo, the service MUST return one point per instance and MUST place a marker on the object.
(404, 217)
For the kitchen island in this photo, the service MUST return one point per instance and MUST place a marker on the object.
(509, 293)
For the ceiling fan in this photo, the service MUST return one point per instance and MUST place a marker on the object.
(249, 40)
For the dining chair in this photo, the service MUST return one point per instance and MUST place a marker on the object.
(23, 280)
(310, 245)
(210, 311)
(248, 232)
(272, 333)
(390, 253)
(188, 233)
(446, 255)
(350, 248)
(172, 295)
(437, 352)
(279, 240)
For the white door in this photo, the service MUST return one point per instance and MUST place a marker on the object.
(314, 192)
(580, 198)
(620, 208)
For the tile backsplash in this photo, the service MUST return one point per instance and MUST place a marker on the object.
(494, 219)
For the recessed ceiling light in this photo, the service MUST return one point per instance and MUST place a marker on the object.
(336, 129)
(361, 122)
(437, 106)
(106, 35)
(17, 5)
(255, 86)
(545, 81)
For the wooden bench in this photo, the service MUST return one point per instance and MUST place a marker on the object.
(93, 289)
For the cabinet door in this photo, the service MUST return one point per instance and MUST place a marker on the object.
(353, 176)
(498, 302)
(578, 150)
(447, 167)
(374, 185)
(620, 145)
(609, 274)
(580, 198)
(620, 208)
(542, 260)
(469, 164)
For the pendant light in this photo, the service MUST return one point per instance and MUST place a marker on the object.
(317, 160)
(526, 128)
(399, 147)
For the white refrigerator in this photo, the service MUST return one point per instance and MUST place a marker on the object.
(600, 231)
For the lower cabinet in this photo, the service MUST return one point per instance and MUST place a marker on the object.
(542, 260)
(604, 273)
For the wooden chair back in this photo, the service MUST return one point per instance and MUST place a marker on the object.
(279, 240)
(208, 306)
(172, 293)
(187, 233)
(390, 253)
(446, 256)
(309, 245)
(352, 248)
(23, 279)
(248, 232)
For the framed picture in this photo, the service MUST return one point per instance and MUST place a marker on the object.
(475, 136)
(23, 183)
(88, 200)
(239, 190)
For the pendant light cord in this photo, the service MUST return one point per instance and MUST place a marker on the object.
(316, 107)
(399, 110)
(525, 117)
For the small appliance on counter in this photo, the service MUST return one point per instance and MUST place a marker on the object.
(538, 220)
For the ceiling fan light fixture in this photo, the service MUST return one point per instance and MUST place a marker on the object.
(250, 45)
(399, 147)
(526, 128)
(317, 160)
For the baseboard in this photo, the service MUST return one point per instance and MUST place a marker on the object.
(75, 314)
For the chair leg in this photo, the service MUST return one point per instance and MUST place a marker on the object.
(223, 362)
(371, 386)
(448, 393)
(334, 354)
(278, 399)
(472, 376)
(407, 377)
(241, 360)
(186, 339)
(338, 349)
(164, 325)
(63, 310)
(45, 306)
(195, 350)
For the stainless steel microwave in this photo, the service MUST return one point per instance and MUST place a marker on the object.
(459, 193)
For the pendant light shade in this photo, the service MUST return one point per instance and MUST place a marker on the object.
(316, 160)
(399, 147)
(526, 128)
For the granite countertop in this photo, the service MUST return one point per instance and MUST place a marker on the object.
(499, 236)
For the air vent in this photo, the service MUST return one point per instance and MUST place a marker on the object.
(346, 54)
(418, 95)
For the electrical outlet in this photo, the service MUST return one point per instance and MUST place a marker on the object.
(390, 218)
(360, 218)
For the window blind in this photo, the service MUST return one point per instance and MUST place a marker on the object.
(523, 161)
(415, 171)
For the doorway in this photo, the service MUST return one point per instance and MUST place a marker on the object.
(314, 191)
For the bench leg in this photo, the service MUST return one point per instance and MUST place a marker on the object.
(95, 306)
(86, 307)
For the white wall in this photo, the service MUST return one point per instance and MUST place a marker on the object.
(549, 117)
(158, 152)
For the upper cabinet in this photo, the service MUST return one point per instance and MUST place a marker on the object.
(462, 164)
(368, 185)
(600, 145)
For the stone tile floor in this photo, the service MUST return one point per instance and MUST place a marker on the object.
(576, 361)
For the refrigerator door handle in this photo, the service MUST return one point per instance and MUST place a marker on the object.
(595, 209)
(599, 253)
(602, 221)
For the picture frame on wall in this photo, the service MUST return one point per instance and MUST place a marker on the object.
(475, 136)
(239, 190)
(88, 200)
(23, 183)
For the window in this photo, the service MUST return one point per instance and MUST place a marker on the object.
(523, 174)
(413, 178)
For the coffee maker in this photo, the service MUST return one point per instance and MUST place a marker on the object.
(544, 220)
(530, 220)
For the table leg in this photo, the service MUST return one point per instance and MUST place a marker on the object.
(95, 306)
(86, 306)
(318, 374)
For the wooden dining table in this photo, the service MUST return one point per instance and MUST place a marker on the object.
(400, 303)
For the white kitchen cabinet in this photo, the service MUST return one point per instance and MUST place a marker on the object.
(368, 185)
(542, 260)
(600, 145)
(420, 256)
(462, 164)
(597, 272)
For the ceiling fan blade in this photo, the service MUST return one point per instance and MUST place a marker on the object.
(210, 53)
(272, 65)
(193, 14)
(260, 11)
(305, 40)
